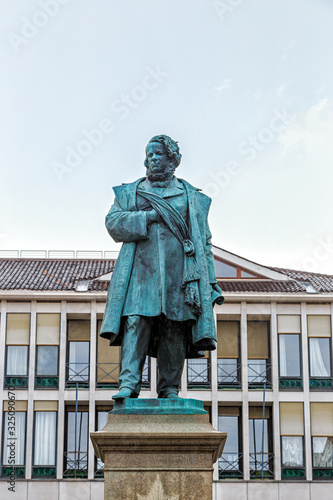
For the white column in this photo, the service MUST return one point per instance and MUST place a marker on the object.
(31, 382)
(61, 397)
(3, 392)
(92, 387)
(275, 386)
(245, 411)
(306, 392)
(214, 409)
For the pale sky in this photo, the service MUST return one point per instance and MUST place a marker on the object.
(246, 87)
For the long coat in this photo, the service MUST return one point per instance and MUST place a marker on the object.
(128, 225)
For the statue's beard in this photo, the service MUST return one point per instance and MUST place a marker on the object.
(163, 176)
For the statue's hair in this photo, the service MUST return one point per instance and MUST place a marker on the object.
(171, 147)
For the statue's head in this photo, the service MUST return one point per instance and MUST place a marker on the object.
(162, 157)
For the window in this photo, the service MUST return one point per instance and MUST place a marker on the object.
(101, 421)
(76, 443)
(225, 270)
(322, 440)
(48, 337)
(231, 463)
(292, 440)
(259, 368)
(45, 439)
(78, 352)
(289, 329)
(260, 430)
(319, 333)
(108, 362)
(228, 352)
(17, 350)
(198, 372)
(13, 455)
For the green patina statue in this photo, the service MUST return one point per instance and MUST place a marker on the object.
(163, 287)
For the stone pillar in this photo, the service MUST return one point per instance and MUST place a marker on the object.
(158, 449)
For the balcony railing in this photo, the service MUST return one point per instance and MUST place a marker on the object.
(77, 373)
(76, 464)
(259, 373)
(198, 373)
(261, 465)
(231, 466)
(107, 375)
(99, 468)
(229, 374)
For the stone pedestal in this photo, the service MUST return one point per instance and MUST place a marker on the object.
(158, 449)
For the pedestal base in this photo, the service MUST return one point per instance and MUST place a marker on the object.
(158, 449)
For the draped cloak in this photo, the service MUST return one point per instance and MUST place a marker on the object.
(125, 223)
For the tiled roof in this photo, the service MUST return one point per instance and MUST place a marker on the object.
(321, 282)
(45, 274)
(62, 274)
(262, 286)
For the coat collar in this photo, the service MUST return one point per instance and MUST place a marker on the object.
(175, 188)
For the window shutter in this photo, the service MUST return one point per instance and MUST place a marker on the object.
(227, 339)
(291, 419)
(48, 329)
(319, 326)
(18, 329)
(257, 340)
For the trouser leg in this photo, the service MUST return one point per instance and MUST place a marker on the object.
(134, 350)
(171, 353)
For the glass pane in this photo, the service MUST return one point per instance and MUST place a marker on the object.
(102, 419)
(78, 361)
(256, 457)
(257, 371)
(14, 431)
(230, 456)
(292, 451)
(244, 274)
(47, 360)
(17, 360)
(322, 451)
(255, 428)
(45, 438)
(81, 456)
(197, 370)
(223, 270)
(227, 371)
(289, 355)
(320, 365)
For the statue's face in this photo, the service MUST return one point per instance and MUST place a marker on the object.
(158, 160)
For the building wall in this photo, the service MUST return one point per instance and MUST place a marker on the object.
(213, 397)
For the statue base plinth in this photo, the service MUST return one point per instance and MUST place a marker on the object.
(158, 449)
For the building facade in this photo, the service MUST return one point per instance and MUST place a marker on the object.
(268, 384)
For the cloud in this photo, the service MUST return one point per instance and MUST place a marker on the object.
(281, 89)
(224, 87)
(288, 48)
(310, 130)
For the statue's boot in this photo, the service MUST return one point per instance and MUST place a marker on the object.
(172, 395)
(123, 394)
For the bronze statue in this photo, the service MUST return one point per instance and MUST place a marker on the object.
(163, 287)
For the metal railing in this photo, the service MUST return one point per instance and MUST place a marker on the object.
(107, 374)
(261, 465)
(259, 374)
(76, 464)
(231, 465)
(77, 373)
(229, 373)
(198, 373)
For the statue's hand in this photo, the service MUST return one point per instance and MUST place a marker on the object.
(152, 216)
